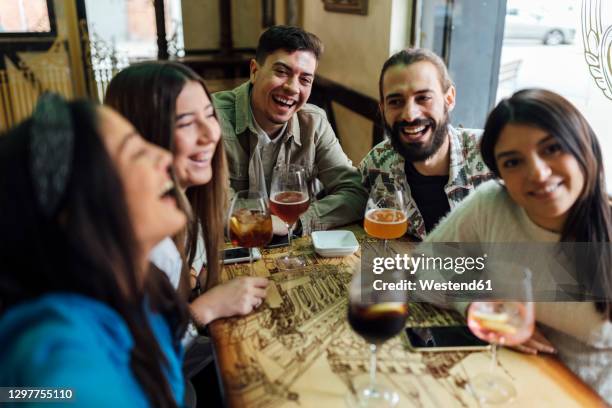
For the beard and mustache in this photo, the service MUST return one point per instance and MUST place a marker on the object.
(419, 151)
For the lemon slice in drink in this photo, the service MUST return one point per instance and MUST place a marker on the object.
(497, 327)
(497, 322)
(491, 317)
(234, 225)
(243, 222)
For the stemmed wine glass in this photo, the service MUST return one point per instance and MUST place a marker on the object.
(289, 200)
(385, 215)
(507, 323)
(249, 221)
(377, 316)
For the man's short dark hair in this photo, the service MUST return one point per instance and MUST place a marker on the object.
(410, 56)
(287, 38)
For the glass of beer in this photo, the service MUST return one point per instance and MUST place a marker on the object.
(377, 316)
(385, 216)
(250, 223)
(288, 200)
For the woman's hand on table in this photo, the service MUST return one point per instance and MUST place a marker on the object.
(537, 343)
(237, 297)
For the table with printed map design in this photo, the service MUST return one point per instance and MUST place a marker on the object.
(298, 350)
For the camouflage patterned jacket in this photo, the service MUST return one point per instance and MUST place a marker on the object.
(467, 171)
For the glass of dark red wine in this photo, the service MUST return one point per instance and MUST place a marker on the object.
(288, 200)
(377, 316)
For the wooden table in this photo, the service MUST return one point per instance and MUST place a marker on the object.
(298, 350)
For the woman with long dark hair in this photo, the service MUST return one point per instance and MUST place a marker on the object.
(170, 104)
(550, 188)
(83, 199)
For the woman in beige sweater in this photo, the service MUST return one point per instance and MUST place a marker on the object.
(551, 189)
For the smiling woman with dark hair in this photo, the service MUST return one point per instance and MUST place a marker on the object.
(550, 188)
(83, 199)
(170, 105)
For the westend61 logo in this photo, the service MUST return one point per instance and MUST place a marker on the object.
(597, 41)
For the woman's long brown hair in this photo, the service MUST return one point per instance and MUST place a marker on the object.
(590, 218)
(88, 247)
(146, 94)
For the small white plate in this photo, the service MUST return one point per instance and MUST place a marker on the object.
(334, 243)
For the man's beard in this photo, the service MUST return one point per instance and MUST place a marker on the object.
(416, 152)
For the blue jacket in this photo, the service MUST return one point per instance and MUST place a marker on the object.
(72, 341)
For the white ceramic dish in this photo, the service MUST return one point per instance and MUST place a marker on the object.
(334, 243)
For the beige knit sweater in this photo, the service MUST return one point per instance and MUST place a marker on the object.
(581, 335)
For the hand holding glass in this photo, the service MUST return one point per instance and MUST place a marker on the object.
(501, 322)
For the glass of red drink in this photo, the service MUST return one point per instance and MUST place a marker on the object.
(288, 200)
(377, 317)
(507, 323)
(249, 221)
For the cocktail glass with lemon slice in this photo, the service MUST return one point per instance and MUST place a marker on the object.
(506, 323)
(249, 223)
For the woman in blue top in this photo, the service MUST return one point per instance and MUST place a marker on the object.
(83, 199)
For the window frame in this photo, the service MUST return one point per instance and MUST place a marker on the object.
(34, 37)
(472, 52)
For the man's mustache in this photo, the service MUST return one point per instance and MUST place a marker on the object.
(397, 126)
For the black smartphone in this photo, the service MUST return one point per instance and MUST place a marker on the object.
(443, 338)
(236, 255)
(278, 241)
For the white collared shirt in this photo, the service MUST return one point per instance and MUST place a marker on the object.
(167, 258)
